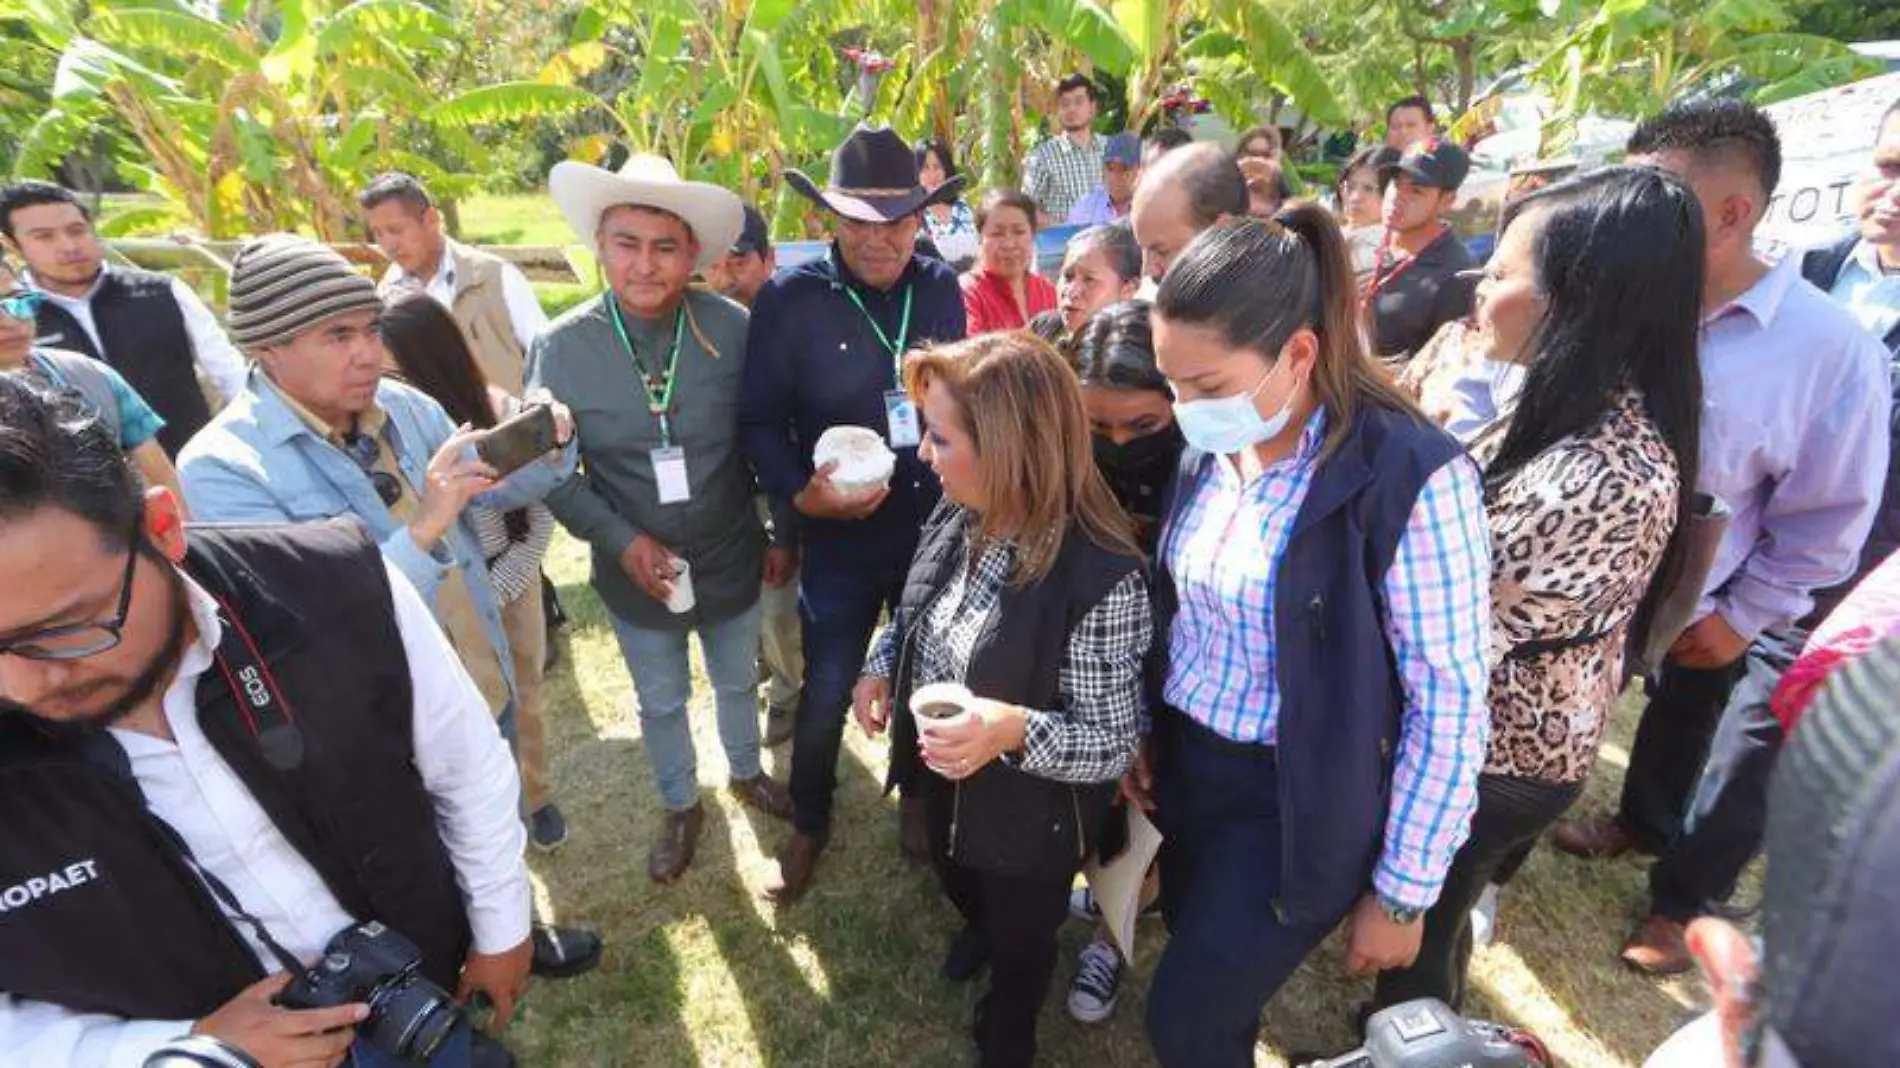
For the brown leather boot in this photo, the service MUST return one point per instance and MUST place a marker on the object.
(796, 862)
(764, 793)
(1600, 837)
(1659, 947)
(913, 829)
(673, 849)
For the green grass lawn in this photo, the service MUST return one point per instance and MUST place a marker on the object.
(707, 973)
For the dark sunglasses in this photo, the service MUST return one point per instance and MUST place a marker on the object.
(75, 641)
(364, 450)
(21, 304)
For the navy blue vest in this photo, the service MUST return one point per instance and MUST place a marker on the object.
(1822, 267)
(1340, 695)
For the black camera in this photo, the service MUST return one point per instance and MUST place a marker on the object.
(409, 1016)
(1427, 1034)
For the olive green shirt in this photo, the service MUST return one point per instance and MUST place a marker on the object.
(582, 361)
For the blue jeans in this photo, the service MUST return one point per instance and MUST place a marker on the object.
(454, 1054)
(663, 682)
(838, 605)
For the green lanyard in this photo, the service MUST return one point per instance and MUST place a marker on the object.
(903, 330)
(659, 400)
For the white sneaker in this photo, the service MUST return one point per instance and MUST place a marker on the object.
(1484, 915)
(1098, 975)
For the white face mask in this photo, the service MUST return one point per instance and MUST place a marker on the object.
(1227, 425)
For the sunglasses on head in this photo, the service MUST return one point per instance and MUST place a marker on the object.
(364, 451)
(21, 304)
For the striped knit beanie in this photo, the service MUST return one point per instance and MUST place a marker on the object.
(282, 285)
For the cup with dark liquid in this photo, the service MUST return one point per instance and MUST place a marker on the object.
(939, 703)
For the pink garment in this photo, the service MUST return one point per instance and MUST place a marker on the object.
(1869, 615)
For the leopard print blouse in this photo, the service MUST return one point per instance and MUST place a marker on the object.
(1575, 536)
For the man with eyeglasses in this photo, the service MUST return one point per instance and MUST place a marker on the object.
(318, 432)
(219, 748)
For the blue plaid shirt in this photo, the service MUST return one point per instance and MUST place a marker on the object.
(1224, 553)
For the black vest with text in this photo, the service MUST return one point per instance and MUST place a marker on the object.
(145, 339)
(1005, 821)
(99, 912)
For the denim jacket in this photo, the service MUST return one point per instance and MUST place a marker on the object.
(258, 462)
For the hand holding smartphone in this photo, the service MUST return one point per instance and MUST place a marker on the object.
(519, 441)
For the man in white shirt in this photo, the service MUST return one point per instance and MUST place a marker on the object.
(488, 296)
(266, 720)
(151, 328)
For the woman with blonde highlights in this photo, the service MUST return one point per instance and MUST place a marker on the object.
(1027, 589)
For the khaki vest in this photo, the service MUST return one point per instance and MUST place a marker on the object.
(482, 312)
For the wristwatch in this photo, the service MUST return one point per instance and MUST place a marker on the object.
(1403, 915)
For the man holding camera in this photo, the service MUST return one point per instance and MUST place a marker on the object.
(219, 752)
(318, 432)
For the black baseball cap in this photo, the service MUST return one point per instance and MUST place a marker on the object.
(1435, 162)
(753, 237)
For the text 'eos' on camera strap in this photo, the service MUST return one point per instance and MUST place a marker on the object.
(233, 908)
(260, 701)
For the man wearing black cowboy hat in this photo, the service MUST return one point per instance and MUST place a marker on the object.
(825, 349)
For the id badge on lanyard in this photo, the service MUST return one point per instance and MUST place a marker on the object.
(902, 426)
(669, 472)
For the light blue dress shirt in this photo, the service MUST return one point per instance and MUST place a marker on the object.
(1795, 402)
(1870, 295)
(258, 462)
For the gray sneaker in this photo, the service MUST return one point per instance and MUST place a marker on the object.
(547, 828)
(1098, 975)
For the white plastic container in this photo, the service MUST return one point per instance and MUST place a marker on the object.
(940, 704)
(681, 601)
(865, 463)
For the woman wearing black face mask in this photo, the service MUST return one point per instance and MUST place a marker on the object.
(1130, 410)
(1137, 447)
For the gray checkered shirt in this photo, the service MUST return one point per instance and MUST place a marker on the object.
(1093, 736)
(1057, 173)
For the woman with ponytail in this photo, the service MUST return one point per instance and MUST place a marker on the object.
(1594, 296)
(1325, 570)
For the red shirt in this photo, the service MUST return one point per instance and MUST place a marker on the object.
(990, 306)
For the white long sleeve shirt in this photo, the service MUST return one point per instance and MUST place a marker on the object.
(465, 766)
(221, 361)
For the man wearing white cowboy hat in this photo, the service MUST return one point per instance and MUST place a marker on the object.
(826, 349)
(652, 370)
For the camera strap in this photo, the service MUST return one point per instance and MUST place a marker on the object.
(260, 700)
(233, 908)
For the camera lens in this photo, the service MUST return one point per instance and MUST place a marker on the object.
(411, 1018)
